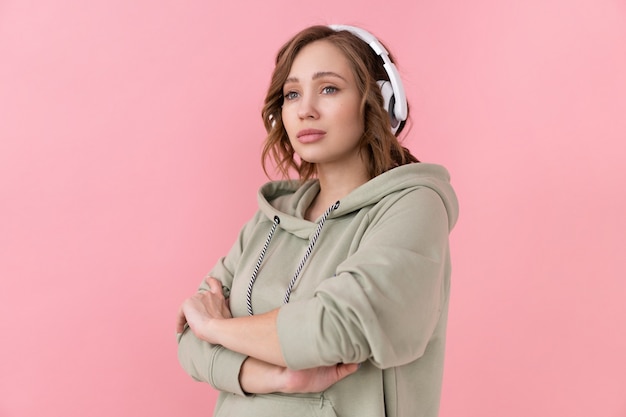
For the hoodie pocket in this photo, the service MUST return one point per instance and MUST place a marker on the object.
(275, 405)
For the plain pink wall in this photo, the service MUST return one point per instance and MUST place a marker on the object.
(129, 157)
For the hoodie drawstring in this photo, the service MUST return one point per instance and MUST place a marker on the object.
(309, 249)
(258, 264)
(307, 253)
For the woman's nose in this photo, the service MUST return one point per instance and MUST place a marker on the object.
(307, 107)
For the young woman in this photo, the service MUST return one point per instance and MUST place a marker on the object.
(334, 298)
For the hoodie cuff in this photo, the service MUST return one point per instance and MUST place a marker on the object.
(225, 371)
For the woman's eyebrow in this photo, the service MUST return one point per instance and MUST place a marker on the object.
(327, 74)
(319, 74)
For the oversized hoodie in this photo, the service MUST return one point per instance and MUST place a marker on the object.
(368, 282)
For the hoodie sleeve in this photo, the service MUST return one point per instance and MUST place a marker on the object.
(387, 297)
(210, 363)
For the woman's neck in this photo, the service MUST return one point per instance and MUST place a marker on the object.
(335, 183)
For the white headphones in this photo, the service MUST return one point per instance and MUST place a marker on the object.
(392, 90)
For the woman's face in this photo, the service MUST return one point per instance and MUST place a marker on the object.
(321, 108)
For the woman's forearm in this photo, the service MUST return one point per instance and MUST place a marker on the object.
(255, 336)
(258, 377)
(209, 317)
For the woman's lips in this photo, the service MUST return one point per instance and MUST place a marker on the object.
(310, 135)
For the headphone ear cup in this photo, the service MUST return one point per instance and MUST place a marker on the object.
(389, 102)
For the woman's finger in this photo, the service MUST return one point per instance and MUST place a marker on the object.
(215, 286)
(181, 320)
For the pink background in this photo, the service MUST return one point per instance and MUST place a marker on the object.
(129, 157)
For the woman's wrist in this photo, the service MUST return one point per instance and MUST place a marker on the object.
(210, 330)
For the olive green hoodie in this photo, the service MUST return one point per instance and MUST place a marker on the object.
(368, 282)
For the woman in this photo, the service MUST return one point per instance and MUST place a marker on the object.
(334, 298)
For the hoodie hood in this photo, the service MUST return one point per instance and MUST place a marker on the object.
(289, 199)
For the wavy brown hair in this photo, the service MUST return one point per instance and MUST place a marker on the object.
(382, 147)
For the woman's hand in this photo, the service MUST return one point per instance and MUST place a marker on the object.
(201, 308)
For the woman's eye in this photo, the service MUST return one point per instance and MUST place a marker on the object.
(290, 95)
(329, 90)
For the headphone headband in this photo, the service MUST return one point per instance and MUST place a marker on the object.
(400, 106)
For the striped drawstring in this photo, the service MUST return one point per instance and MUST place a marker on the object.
(258, 264)
(309, 249)
(307, 253)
